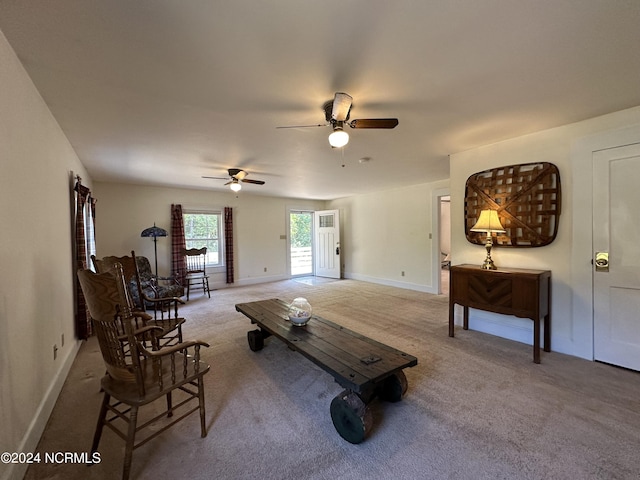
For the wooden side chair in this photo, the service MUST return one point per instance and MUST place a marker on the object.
(165, 309)
(138, 377)
(195, 260)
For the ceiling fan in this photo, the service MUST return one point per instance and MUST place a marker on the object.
(237, 175)
(337, 113)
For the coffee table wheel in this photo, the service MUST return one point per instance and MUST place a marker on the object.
(393, 387)
(351, 417)
(256, 340)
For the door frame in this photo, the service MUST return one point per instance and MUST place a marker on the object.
(436, 196)
(580, 333)
(291, 210)
(607, 346)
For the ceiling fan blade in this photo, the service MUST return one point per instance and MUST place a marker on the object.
(305, 126)
(257, 182)
(228, 183)
(341, 107)
(374, 123)
(215, 178)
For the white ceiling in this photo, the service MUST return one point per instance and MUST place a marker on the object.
(161, 92)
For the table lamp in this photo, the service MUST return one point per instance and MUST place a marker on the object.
(490, 224)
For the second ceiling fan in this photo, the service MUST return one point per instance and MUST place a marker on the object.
(237, 175)
(337, 112)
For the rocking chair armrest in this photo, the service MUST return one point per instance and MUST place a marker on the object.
(164, 351)
(143, 315)
(148, 328)
(140, 331)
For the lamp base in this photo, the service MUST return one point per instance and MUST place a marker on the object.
(488, 262)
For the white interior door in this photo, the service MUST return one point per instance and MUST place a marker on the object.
(616, 232)
(327, 245)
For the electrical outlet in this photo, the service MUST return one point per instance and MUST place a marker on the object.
(55, 352)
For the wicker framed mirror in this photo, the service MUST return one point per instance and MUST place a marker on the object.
(527, 198)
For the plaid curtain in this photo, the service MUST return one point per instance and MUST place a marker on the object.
(228, 242)
(83, 320)
(178, 244)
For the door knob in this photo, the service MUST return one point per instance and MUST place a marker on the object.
(602, 261)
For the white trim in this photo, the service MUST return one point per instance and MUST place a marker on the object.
(504, 326)
(257, 280)
(311, 211)
(39, 421)
(581, 334)
(222, 247)
(436, 275)
(392, 283)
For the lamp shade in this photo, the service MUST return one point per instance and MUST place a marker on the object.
(235, 186)
(154, 232)
(488, 222)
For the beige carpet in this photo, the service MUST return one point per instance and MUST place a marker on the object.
(477, 406)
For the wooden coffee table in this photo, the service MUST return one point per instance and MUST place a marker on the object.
(365, 368)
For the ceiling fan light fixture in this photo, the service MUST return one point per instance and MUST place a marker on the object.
(338, 138)
(235, 186)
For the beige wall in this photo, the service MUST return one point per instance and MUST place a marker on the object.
(390, 232)
(123, 211)
(36, 285)
(569, 147)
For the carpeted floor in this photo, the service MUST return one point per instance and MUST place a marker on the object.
(477, 406)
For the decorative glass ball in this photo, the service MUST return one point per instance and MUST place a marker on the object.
(299, 311)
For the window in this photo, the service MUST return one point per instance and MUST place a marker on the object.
(89, 233)
(205, 229)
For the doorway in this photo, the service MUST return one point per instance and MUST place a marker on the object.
(440, 239)
(300, 243)
(445, 243)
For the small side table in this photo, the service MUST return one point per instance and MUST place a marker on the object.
(508, 291)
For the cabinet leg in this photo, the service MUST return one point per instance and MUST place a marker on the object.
(547, 333)
(536, 341)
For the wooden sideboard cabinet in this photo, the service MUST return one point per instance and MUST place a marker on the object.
(508, 291)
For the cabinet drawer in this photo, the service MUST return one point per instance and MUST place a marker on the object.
(485, 290)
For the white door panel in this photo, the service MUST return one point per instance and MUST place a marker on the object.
(327, 246)
(616, 231)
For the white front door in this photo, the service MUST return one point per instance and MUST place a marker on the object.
(327, 245)
(616, 234)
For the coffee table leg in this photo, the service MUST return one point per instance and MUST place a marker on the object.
(393, 387)
(351, 416)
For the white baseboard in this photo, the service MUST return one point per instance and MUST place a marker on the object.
(32, 436)
(255, 280)
(392, 283)
(505, 326)
(364, 278)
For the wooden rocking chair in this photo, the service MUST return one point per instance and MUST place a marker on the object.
(138, 377)
(165, 309)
